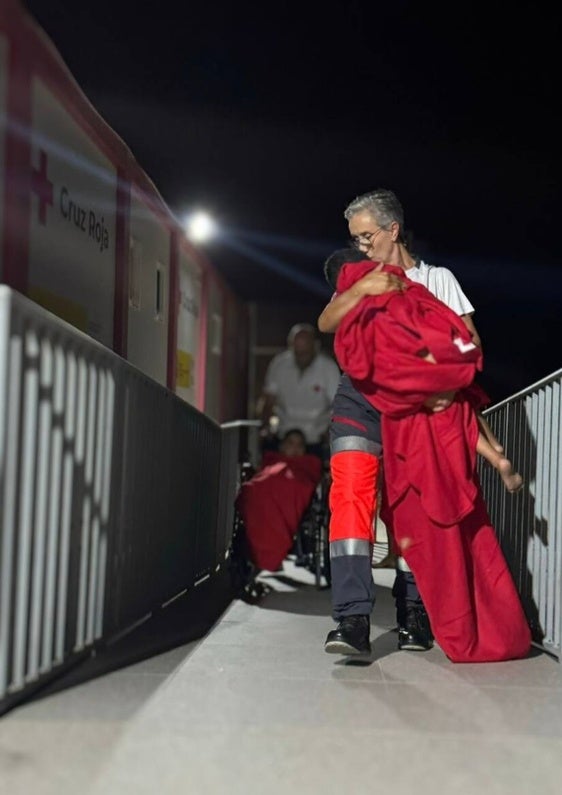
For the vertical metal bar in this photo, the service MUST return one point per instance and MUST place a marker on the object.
(106, 463)
(98, 458)
(84, 409)
(14, 352)
(108, 447)
(6, 533)
(41, 507)
(92, 454)
(55, 488)
(26, 492)
(557, 520)
(548, 558)
(72, 400)
(537, 572)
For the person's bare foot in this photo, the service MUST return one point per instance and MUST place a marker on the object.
(512, 480)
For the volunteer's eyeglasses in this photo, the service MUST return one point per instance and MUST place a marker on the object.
(366, 239)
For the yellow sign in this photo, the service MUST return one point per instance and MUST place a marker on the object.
(184, 373)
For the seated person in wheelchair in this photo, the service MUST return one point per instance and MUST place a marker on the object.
(273, 502)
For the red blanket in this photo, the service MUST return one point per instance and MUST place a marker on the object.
(382, 341)
(272, 504)
(465, 583)
(433, 502)
(378, 344)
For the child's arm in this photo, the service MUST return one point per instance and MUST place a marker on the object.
(373, 283)
(330, 317)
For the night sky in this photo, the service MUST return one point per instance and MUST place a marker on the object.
(275, 118)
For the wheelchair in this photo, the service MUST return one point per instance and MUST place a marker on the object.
(242, 571)
(311, 548)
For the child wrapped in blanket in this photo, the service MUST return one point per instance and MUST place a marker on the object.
(401, 349)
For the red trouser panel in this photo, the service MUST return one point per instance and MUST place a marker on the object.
(464, 581)
(353, 495)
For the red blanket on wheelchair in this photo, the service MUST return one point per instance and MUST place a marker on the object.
(434, 505)
(273, 502)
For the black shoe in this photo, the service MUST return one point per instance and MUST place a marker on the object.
(415, 634)
(351, 636)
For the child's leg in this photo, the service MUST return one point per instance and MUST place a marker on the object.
(389, 560)
(488, 433)
(512, 480)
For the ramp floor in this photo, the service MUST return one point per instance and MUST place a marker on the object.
(257, 706)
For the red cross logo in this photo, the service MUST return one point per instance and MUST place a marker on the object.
(42, 187)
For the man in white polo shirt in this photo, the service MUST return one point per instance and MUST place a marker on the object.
(299, 387)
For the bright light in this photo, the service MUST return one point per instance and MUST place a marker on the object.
(199, 227)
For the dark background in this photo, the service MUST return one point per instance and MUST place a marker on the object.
(273, 119)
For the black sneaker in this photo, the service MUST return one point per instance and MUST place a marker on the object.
(351, 636)
(415, 634)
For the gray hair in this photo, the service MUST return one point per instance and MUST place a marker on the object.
(382, 204)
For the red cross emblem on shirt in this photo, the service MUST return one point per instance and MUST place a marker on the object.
(42, 186)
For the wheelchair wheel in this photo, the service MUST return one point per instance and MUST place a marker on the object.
(318, 570)
(327, 572)
(322, 549)
(311, 546)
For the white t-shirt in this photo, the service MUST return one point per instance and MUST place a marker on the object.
(303, 398)
(443, 284)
